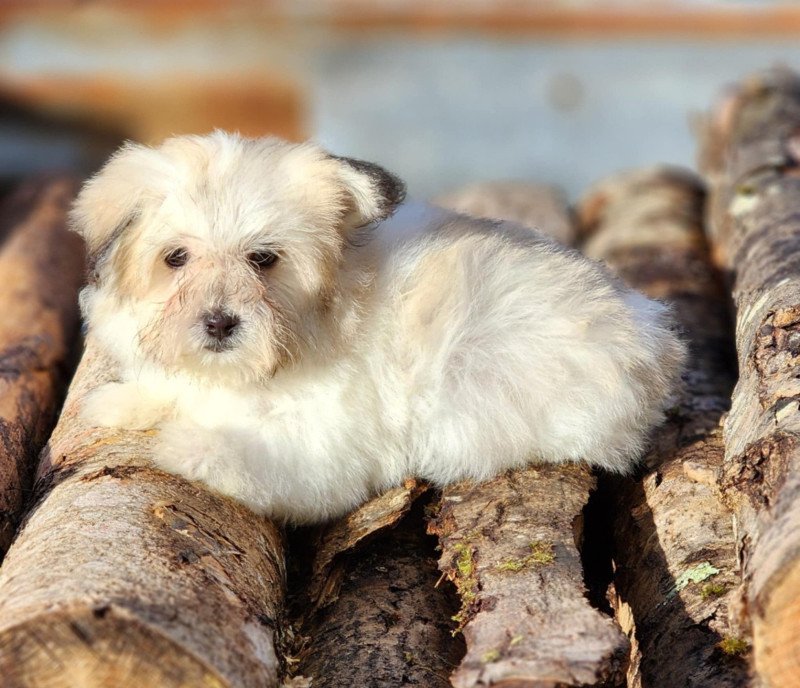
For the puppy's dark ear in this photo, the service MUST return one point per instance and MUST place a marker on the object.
(374, 193)
(110, 201)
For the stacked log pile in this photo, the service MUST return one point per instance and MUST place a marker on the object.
(686, 574)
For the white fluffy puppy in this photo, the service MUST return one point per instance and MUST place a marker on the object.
(300, 351)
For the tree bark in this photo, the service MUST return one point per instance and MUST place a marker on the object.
(676, 574)
(337, 540)
(42, 265)
(371, 614)
(511, 545)
(122, 575)
(750, 152)
(386, 623)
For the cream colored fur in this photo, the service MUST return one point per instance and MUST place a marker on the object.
(424, 344)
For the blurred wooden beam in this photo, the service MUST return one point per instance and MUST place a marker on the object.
(526, 203)
(531, 18)
(149, 110)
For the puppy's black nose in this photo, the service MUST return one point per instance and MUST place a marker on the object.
(220, 325)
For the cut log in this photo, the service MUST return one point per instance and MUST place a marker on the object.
(511, 546)
(387, 624)
(751, 154)
(533, 205)
(370, 614)
(676, 573)
(42, 266)
(340, 538)
(122, 575)
(340, 591)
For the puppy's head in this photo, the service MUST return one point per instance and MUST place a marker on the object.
(223, 254)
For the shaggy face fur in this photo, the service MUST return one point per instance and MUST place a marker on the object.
(299, 351)
(225, 226)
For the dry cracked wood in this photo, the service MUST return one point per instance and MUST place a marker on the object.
(676, 573)
(122, 575)
(41, 264)
(751, 154)
(387, 624)
(511, 545)
(337, 540)
(372, 614)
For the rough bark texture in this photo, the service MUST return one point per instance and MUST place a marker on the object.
(532, 205)
(511, 545)
(751, 149)
(122, 575)
(41, 264)
(371, 613)
(388, 623)
(676, 573)
(340, 538)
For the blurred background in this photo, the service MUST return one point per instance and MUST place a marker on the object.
(442, 92)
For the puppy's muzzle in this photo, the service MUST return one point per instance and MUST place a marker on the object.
(220, 326)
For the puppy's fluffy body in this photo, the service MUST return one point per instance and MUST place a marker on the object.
(373, 348)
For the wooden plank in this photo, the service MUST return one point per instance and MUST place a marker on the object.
(529, 18)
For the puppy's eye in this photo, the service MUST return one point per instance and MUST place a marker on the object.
(261, 260)
(177, 258)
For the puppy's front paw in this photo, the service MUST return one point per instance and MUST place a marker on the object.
(212, 456)
(183, 448)
(121, 405)
(194, 451)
